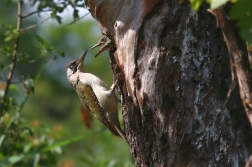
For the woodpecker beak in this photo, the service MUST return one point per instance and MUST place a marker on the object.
(96, 45)
(81, 58)
(101, 50)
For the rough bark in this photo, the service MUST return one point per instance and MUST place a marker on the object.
(239, 59)
(173, 69)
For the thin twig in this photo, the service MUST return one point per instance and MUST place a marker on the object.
(78, 19)
(4, 76)
(230, 90)
(34, 25)
(232, 86)
(239, 56)
(14, 58)
(207, 93)
(34, 12)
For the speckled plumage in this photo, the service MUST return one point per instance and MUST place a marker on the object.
(96, 96)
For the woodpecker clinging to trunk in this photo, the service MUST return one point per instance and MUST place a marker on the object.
(96, 96)
(105, 44)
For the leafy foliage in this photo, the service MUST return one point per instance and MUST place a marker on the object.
(241, 11)
(25, 143)
(11, 34)
(196, 4)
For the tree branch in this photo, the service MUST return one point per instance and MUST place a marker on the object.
(249, 162)
(34, 12)
(78, 19)
(34, 25)
(14, 58)
(242, 70)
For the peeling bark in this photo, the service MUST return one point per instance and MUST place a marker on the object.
(174, 73)
(239, 60)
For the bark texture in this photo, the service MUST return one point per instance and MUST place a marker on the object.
(241, 69)
(173, 69)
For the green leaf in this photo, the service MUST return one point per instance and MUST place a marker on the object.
(1, 93)
(241, 11)
(247, 35)
(58, 18)
(7, 51)
(11, 34)
(195, 4)
(29, 85)
(55, 16)
(9, 2)
(245, 23)
(8, 36)
(13, 88)
(217, 3)
(17, 158)
(41, 40)
(12, 160)
(75, 14)
(62, 53)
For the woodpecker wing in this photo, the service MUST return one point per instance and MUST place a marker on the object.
(89, 99)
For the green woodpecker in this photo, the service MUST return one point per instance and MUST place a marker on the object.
(105, 44)
(96, 96)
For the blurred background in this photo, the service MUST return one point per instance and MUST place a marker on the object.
(53, 113)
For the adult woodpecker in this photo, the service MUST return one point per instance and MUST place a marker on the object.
(105, 44)
(96, 96)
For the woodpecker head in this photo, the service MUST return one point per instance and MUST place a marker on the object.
(76, 65)
(105, 43)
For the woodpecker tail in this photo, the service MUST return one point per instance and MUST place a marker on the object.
(121, 133)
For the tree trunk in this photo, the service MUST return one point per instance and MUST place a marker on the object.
(173, 69)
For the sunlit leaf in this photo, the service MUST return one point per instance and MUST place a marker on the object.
(1, 93)
(29, 85)
(41, 40)
(8, 37)
(11, 34)
(217, 3)
(195, 4)
(13, 88)
(12, 160)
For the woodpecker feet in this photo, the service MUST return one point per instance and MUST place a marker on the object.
(114, 85)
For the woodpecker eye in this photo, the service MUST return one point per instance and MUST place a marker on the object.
(71, 66)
